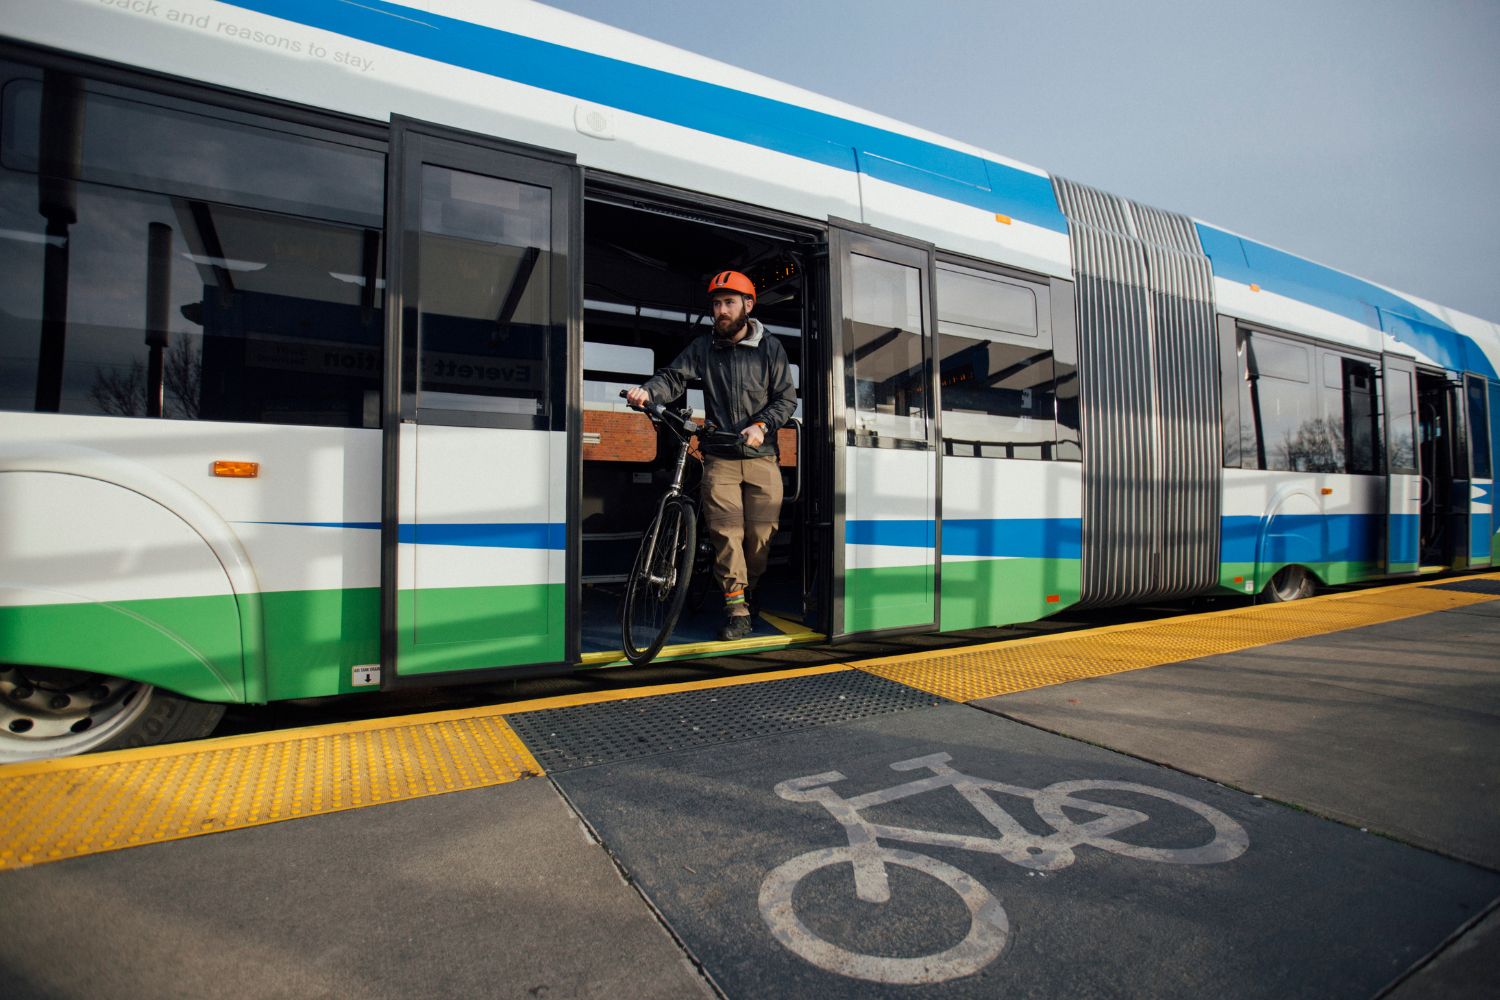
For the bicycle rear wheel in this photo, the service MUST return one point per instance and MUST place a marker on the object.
(659, 580)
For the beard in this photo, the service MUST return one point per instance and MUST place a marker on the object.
(727, 329)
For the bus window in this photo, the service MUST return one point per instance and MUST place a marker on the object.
(1361, 417)
(164, 258)
(485, 310)
(997, 367)
(1286, 422)
(884, 378)
(1479, 427)
(1401, 422)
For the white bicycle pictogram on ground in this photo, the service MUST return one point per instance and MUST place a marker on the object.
(989, 927)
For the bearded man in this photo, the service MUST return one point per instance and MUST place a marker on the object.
(747, 388)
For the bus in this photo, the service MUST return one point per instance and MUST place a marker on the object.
(315, 316)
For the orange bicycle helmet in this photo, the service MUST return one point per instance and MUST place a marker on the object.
(731, 281)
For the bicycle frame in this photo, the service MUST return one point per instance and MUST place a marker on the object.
(1016, 844)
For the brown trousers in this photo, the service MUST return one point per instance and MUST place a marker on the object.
(741, 507)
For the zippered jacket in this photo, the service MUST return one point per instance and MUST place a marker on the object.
(743, 383)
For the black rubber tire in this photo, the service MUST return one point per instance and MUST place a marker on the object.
(651, 608)
(1291, 583)
(169, 718)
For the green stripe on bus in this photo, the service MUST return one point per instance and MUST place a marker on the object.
(984, 592)
(887, 597)
(469, 628)
(190, 645)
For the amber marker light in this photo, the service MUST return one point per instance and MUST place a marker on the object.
(1328, 491)
(1004, 220)
(1254, 287)
(1239, 579)
(237, 470)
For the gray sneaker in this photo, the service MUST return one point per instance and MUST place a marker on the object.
(736, 627)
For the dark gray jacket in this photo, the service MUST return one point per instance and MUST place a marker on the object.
(742, 383)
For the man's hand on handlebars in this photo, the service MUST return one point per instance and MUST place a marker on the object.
(754, 435)
(637, 396)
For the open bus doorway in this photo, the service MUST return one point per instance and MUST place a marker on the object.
(646, 270)
(1442, 456)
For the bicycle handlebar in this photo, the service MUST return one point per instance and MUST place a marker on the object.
(682, 422)
(678, 421)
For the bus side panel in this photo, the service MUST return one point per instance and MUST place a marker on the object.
(307, 526)
(482, 543)
(1276, 519)
(98, 577)
(889, 539)
(1012, 540)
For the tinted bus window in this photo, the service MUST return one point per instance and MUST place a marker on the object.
(1479, 427)
(485, 277)
(885, 376)
(1401, 422)
(1286, 418)
(1361, 415)
(164, 258)
(998, 374)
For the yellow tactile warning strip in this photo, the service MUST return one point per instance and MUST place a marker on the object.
(976, 672)
(60, 809)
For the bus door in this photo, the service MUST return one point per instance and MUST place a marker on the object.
(1403, 478)
(885, 536)
(478, 547)
(1481, 470)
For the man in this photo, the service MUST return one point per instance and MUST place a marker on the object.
(747, 388)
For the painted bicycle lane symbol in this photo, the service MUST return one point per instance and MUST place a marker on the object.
(989, 927)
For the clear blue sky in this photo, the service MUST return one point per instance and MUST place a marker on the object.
(1361, 134)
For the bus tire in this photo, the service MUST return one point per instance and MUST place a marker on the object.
(61, 713)
(1291, 583)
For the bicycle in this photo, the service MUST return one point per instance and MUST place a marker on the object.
(663, 569)
(989, 927)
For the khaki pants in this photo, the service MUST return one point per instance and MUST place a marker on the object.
(741, 506)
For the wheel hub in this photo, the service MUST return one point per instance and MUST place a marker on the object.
(46, 711)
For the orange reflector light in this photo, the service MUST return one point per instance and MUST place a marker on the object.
(1002, 219)
(1239, 579)
(1327, 491)
(237, 470)
(1053, 598)
(1254, 287)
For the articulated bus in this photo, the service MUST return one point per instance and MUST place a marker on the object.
(314, 317)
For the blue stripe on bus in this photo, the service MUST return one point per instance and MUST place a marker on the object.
(1405, 540)
(919, 534)
(704, 107)
(1018, 537)
(824, 138)
(1248, 262)
(1479, 536)
(545, 535)
(1311, 538)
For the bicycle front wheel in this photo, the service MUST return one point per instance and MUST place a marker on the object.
(659, 580)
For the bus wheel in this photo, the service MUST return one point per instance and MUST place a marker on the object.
(1292, 583)
(48, 712)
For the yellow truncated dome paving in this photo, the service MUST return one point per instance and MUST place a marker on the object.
(59, 809)
(976, 672)
(51, 810)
